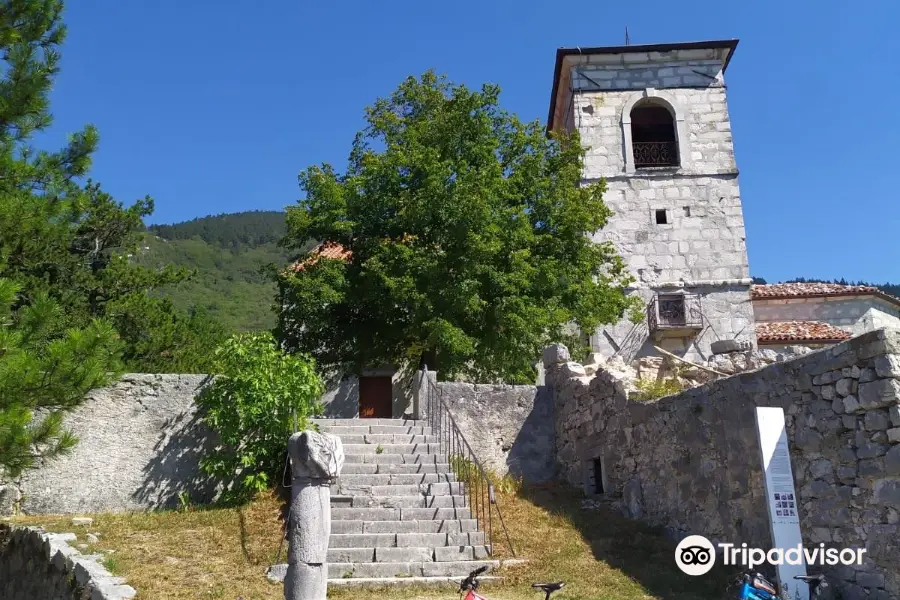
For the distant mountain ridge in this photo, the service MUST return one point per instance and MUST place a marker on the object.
(229, 230)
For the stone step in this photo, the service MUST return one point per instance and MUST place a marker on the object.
(399, 514)
(404, 554)
(368, 422)
(412, 501)
(405, 540)
(417, 489)
(342, 430)
(349, 526)
(458, 569)
(445, 583)
(383, 469)
(381, 439)
(391, 449)
(395, 459)
(363, 479)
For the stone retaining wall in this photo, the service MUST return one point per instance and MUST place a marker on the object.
(509, 427)
(35, 564)
(691, 462)
(140, 443)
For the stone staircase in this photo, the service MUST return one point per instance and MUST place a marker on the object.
(397, 510)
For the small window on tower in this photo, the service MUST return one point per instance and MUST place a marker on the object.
(687, 211)
(661, 218)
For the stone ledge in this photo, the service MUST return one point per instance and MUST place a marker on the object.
(47, 556)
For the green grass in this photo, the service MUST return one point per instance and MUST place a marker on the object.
(224, 552)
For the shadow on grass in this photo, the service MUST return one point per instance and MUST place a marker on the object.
(642, 552)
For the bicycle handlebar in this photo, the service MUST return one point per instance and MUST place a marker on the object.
(472, 580)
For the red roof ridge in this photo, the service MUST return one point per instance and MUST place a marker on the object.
(817, 290)
(799, 331)
(326, 249)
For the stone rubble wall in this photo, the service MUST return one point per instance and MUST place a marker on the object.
(35, 564)
(509, 427)
(140, 443)
(691, 462)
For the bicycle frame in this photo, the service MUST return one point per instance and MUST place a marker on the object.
(748, 592)
(473, 596)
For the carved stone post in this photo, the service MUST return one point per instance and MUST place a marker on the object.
(316, 461)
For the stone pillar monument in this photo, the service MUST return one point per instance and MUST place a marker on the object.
(316, 461)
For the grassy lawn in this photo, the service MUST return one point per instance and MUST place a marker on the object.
(223, 553)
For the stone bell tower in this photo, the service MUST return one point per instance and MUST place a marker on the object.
(655, 121)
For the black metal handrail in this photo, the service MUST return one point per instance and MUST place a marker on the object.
(478, 491)
(673, 311)
(655, 154)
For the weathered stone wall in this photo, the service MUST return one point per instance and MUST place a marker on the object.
(35, 564)
(140, 442)
(691, 462)
(701, 246)
(854, 314)
(509, 427)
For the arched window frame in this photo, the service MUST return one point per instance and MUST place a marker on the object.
(670, 103)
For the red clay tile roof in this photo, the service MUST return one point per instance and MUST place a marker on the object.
(799, 331)
(817, 290)
(806, 290)
(326, 250)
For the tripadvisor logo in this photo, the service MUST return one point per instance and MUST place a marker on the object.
(696, 555)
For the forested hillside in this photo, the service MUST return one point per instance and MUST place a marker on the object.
(227, 253)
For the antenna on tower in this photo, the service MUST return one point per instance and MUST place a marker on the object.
(627, 37)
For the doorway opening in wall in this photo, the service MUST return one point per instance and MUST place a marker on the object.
(375, 397)
(598, 476)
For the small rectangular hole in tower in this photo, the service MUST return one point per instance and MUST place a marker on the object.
(687, 211)
(661, 217)
(598, 476)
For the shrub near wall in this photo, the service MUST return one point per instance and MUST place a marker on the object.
(691, 461)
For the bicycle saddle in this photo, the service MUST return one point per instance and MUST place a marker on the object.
(548, 587)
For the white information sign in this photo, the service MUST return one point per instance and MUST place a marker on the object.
(781, 496)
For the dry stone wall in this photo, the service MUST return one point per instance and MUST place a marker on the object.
(35, 564)
(691, 462)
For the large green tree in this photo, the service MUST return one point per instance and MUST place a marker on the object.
(470, 239)
(65, 238)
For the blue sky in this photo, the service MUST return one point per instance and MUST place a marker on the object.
(214, 107)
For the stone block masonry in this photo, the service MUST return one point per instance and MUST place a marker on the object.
(678, 224)
(35, 564)
(691, 462)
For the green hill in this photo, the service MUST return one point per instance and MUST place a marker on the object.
(226, 252)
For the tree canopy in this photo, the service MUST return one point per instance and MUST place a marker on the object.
(45, 367)
(470, 233)
(63, 237)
